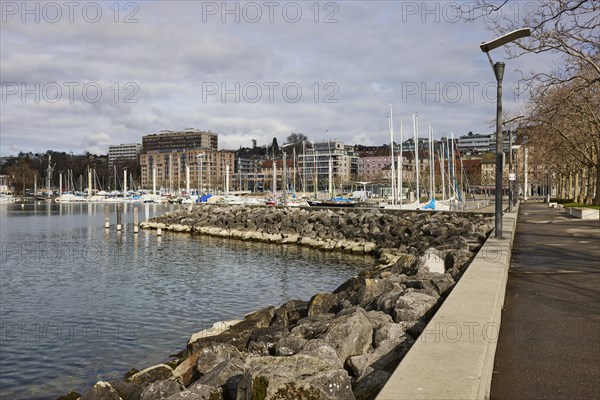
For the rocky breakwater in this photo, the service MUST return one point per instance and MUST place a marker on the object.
(340, 345)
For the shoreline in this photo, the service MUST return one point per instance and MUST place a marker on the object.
(362, 329)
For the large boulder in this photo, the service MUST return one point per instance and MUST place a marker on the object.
(432, 261)
(289, 345)
(385, 357)
(297, 377)
(289, 313)
(225, 375)
(312, 327)
(350, 334)
(213, 355)
(413, 306)
(323, 351)
(323, 303)
(369, 385)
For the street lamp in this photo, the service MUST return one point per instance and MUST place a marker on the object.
(511, 175)
(498, 69)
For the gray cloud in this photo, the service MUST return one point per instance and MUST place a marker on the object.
(161, 73)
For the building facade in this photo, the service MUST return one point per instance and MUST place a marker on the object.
(187, 139)
(123, 152)
(207, 170)
(171, 159)
(315, 165)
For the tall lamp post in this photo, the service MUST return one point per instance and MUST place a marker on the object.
(498, 69)
(511, 175)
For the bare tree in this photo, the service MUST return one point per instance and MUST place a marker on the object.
(564, 106)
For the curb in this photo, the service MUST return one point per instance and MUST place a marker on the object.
(454, 356)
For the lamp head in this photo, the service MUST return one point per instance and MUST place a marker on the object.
(502, 40)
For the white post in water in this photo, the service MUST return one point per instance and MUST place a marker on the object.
(118, 206)
(227, 179)
(60, 183)
(187, 180)
(135, 220)
(154, 180)
(106, 217)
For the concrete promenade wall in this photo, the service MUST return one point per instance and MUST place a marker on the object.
(454, 357)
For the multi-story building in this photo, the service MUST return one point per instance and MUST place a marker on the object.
(207, 169)
(474, 142)
(123, 153)
(315, 165)
(189, 138)
(168, 158)
(372, 163)
(484, 143)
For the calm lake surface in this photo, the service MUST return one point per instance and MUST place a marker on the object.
(79, 303)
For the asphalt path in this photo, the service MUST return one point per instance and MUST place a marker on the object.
(549, 339)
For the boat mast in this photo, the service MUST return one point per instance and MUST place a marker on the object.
(431, 166)
(442, 171)
(416, 139)
(392, 168)
(401, 164)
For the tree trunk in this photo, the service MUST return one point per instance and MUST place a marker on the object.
(576, 188)
(589, 188)
(597, 196)
(570, 187)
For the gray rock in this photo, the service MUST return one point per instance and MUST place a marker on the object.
(388, 331)
(442, 283)
(350, 335)
(295, 377)
(289, 345)
(156, 373)
(378, 319)
(311, 327)
(412, 306)
(226, 375)
(101, 391)
(214, 355)
(268, 336)
(369, 385)
(385, 357)
(385, 302)
(199, 391)
(127, 390)
(160, 390)
(323, 303)
(323, 351)
(289, 313)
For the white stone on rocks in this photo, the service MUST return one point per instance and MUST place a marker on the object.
(216, 329)
(433, 261)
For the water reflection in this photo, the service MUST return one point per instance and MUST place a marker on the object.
(93, 302)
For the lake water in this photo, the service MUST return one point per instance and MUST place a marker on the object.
(79, 303)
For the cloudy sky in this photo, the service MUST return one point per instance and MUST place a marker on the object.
(82, 75)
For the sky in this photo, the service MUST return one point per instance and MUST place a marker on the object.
(80, 76)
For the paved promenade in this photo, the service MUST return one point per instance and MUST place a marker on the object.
(549, 343)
